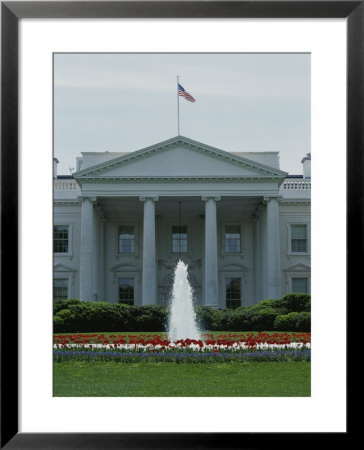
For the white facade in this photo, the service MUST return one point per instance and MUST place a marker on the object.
(124, 219)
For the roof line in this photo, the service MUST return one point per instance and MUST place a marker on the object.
(175, 140)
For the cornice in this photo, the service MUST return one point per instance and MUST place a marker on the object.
(298, 201)
(177, 179)
(73, 202)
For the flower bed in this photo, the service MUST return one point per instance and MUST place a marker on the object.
(153, 348)
(183, 357)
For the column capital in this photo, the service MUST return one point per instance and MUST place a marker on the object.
(204, 198)
(268, 198)
(143, 198)
(92, 199)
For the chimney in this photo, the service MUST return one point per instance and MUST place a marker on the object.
(55, 162)
(78, 163)
(307, 166)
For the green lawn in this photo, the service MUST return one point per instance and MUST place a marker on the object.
(159, 333)
(112, 379)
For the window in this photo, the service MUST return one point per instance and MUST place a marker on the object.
(299, 238)
(126, 291)
(60, 238)
(60, 288)
(179, 239)
(126, 239)
(232, 238)
(233, 292)
(300, 285)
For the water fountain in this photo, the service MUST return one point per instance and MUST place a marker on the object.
(182, 321)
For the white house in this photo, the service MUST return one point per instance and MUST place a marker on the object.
(123, 220)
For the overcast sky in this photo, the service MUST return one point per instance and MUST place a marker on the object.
(124, 102)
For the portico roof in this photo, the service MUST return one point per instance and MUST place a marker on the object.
(180, 159)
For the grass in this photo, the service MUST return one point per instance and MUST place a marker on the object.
(158, 333)
(252, 379)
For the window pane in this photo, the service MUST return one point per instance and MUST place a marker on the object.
(299, 238)
(126, 291)
(232, 238)
(179, 239)
(126, 239)
(299, 245)
(299, 285)
(60, 238)
(298, 231)
(60, 288)
(233, 292)
(233, 229)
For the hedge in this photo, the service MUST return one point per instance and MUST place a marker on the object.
(293, 321)
(75, 316)
(291, 313)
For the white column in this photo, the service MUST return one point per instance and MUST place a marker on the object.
(263, 254)
(273, 249)
(102, 259)
(211, 287)
(86, 263)
(96, 256)
(256, 259)
(149, 283)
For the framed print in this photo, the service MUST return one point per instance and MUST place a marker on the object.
(40, 43)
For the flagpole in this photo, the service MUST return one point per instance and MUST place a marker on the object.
(177, 107)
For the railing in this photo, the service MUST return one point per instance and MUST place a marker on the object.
(297, 185)
(65, 185)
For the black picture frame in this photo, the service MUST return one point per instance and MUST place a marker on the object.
(11, 12)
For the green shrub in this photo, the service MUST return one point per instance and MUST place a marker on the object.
(63, 304)
(271, 303)
(261, 318)
(205, 317)
(240, 320)
(303, 322)
(223, 319)
(297, 302)
(294, 321)
(78, 316)
(58, 323)
(150, 317)
(211, 319)
(65, 319)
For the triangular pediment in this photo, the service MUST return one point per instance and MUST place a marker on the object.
(125, 268)
(234, 268)
(63, 268)
(179, 157)
(298, 268)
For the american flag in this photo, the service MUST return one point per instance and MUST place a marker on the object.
(185, 94)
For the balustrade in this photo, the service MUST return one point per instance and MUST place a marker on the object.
(65, 185)
(297, 184)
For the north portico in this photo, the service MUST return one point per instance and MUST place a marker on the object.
(133, 215)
